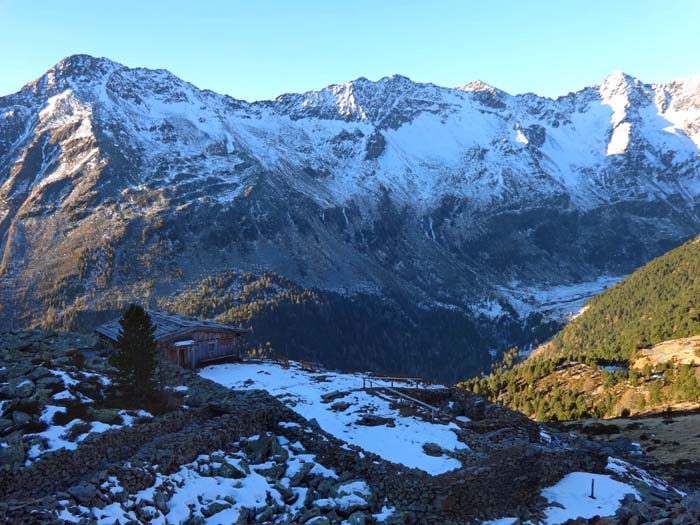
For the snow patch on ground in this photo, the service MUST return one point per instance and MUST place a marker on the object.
(57, 437)
(570, 497)
(70, 434)
(302, 391)
(631, 473)
(501, 521)
(204, 491)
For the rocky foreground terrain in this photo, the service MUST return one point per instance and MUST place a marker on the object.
(213, 454)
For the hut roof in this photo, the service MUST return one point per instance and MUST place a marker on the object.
(169, 325)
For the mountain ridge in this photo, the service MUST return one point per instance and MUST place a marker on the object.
(120, 184)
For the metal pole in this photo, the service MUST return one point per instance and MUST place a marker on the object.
(592, 488)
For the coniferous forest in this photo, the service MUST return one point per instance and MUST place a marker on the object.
(590, 369)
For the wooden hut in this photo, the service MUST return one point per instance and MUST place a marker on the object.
(184, 340)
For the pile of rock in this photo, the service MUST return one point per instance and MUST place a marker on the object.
(50, 398)
(263, 479)
(655, 509)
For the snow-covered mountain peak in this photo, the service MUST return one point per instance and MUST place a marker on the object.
(485, 94)
(617, 89)
(75, 69)
(409, 180)
(480, 85)
(616, 82)
(387, 103)
(85, 66)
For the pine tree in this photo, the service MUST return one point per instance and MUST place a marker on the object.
(655, 393)
(633, 377)
(135, 352)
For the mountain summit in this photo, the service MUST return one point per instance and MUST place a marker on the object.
(119, 184)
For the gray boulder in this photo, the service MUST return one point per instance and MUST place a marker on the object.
(18, 369)
(215, 508)
(108, 416)
(371, 420)
(692, 501)
(432, 449)
(83, 494)
(51, 383)
(300, 474)
(6, 426)
(22, 389)
(357, 518)
(13, 453)
(38, 373)
(260, 449)
(21, 419)
(273, 472)
(226, 470)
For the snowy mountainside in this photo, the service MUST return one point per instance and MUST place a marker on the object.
(122, 184)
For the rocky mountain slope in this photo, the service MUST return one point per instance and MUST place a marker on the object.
(634, 349)
(131, 184)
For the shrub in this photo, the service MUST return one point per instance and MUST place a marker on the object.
(77, 430)
(77, 359)
(35, 427)
(73, 411)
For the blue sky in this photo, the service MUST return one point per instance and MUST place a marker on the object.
(259, 49)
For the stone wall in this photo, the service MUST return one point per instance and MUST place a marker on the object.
(506, 481)
(498, 478)
(168, 441)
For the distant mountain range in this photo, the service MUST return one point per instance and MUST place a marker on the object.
(491, 211)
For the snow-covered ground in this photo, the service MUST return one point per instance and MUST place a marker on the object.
(303, 391)
(57, 437)
(71, 433)
(570, 497)
(557, 302)
(217, 488)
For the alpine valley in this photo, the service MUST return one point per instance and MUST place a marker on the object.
(392, 226)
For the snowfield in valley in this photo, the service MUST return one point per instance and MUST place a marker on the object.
(303, 391)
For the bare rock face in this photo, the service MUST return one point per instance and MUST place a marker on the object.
(121, 184)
